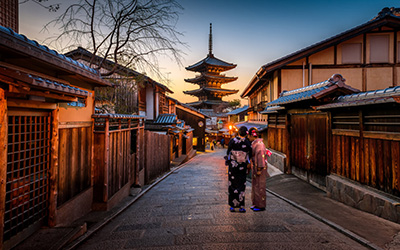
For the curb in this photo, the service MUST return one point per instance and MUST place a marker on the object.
(335, 226)
(99, 225)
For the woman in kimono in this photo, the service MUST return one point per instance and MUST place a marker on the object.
(238, 157)
(259, 171)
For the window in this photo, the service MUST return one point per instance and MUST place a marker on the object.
(351, 53)
(379, 49)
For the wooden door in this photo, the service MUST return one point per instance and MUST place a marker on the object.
(309, 142)
(28, 164)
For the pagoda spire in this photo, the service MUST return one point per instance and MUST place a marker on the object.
(210, 42)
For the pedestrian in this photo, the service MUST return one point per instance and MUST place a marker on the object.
(212, 145)
(259, 172)
(238, 158)
(223, 142)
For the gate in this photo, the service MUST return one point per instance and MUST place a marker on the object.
(309, 142)
(28, 163)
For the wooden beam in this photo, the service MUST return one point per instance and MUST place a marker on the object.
(44, 94)
(3, 159)
(53, 171)
(30, 104)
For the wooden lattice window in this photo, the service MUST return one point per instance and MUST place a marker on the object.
(382, 120)
(346, 120)
(28, 163)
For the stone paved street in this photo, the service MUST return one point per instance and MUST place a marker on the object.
(188, 210)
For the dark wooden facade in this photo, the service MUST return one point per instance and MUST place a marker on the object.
(197, 121)
(366, 146)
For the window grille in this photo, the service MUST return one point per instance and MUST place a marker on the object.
(28, 163)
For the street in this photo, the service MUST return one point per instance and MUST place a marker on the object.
(189, 210)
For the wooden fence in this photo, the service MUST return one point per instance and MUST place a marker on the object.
(366, 147)
(115, 154)
(278, 135)
(157, 155)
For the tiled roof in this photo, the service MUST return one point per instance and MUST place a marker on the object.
(238, 110)
(56, 86)
(381, 96)
(166, 119)
(45, 48)
(208, 89)
(211, 102)
(315, 91)
(109, 64)
(261, 126)
(212, 61)
(41, 82)
(121, 116)
(300, 94)
(212, 113)
(272, 109)
(204, 76)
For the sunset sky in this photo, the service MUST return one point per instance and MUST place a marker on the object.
(247, 33)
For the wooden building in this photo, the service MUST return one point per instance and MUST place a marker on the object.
(192, 117)
(146, 96)
(300, 132)
(368, 55)
(46, 129)
(210, 80)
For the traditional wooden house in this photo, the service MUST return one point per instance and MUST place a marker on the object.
(300, 132)
(210, 80)
(368, 55)
(46, 137)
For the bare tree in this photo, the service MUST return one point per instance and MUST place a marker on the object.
(131, 33)
(49, 7)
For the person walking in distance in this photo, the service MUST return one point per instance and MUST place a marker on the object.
(259, 171)
(238, 157)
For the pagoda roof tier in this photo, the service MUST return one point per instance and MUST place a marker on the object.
(201, 91)
(211, 77)
(206, 102)
(211, 62)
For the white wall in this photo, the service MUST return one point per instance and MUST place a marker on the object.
(149, 103)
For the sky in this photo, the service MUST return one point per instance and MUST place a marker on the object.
(247, 33)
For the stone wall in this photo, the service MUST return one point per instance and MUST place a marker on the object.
(363, 198)
(278, 160)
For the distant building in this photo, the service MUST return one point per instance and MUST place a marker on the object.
(9, 14)
(210, 81)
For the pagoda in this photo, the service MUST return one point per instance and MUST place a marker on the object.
(210, 80)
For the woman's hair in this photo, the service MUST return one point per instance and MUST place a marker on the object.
(242, 131)
(254, 132)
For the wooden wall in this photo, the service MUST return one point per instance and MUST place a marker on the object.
(156, 144)
(366, 147)
(74, 168)
(115, 156)
(278, 135)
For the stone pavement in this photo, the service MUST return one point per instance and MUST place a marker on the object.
(188, 210)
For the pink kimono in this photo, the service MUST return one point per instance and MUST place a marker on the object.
(259, 173)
